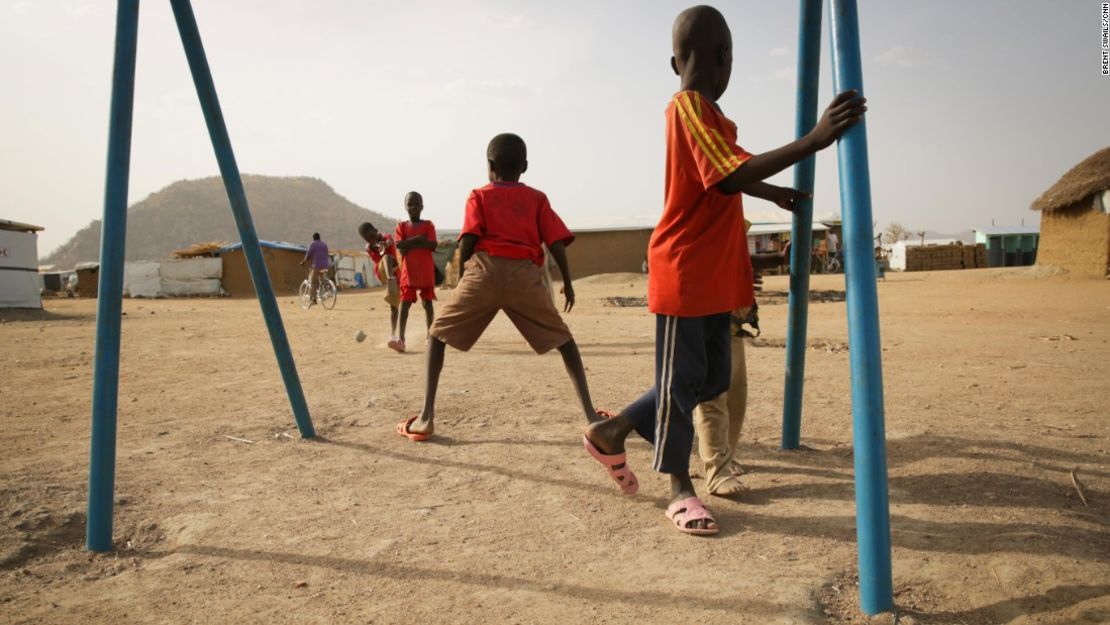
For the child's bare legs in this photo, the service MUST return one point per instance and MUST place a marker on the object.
(392, 321)
(572, 359)
(429, 316)
(424, 423)
(429, 313)
(404, 320)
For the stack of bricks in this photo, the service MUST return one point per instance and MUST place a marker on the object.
(945, 257)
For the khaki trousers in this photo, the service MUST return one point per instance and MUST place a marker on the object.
(718, 423)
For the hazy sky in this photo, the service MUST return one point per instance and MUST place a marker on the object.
(976, 107)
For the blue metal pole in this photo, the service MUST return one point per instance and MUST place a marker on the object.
(229, 170)
(864, 348)
(801, 233)
(109, 302)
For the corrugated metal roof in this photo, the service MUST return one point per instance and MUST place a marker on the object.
(779, 228)
(997, 230)
(277, 245)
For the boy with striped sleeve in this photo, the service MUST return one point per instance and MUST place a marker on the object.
(698, 255)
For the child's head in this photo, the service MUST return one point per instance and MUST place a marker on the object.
(414, 204)
(507, 157)
(702, 45)
(368, 232)
(315, 236)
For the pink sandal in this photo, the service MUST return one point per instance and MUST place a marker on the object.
(685, 511)
(624, 477)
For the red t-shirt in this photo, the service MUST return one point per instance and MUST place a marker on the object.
(417, 266)
(698, 255)
(512, 220)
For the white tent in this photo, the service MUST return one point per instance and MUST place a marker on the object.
(179, 277)
(19, 265)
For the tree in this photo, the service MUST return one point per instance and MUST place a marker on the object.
(896, 232)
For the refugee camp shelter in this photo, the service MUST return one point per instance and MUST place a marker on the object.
(1075, 218)
(19, 265)
(617, 249)
(353, 269)
(767, 237)
(88, 279)
(178, 277)
(1009, 246)
(608, 250)
(283, 262)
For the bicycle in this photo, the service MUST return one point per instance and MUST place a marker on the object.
(833, 264)
(326, 292)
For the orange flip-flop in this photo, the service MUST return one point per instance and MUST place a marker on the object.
(403, 429)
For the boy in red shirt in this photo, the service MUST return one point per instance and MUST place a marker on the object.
(383, 254)
(698, 255)
(416, 240)
(501, 268)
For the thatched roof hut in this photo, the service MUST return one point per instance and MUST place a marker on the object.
(1090, 177)
(1075, 218)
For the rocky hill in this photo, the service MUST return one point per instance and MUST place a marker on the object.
(195, 211)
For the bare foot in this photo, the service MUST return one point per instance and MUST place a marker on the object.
(423, 425)
(727, 487)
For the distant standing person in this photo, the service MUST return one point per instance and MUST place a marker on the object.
(383, 254)
(318, 254)
(416, 240)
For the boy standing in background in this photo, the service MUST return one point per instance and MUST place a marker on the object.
(416, 240)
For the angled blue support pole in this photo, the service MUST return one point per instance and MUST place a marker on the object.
(229, 170)
(801, 232)
(864, 348)
(109, 302)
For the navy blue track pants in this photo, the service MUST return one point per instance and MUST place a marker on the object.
(692, 365)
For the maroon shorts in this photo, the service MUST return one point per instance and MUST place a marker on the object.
(493, 283)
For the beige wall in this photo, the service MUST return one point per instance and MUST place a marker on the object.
(607, 251)
(286, 274)
(1076, 238)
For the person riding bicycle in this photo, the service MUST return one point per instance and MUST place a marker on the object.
(835, 262)
(318, 254)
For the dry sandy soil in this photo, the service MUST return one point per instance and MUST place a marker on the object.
(997, 387)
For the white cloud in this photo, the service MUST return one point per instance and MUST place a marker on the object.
(786, 74)
(903, 56)
(781, 51)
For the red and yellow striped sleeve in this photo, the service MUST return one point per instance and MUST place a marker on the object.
(708, 136)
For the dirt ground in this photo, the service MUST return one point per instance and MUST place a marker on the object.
(997, 388)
